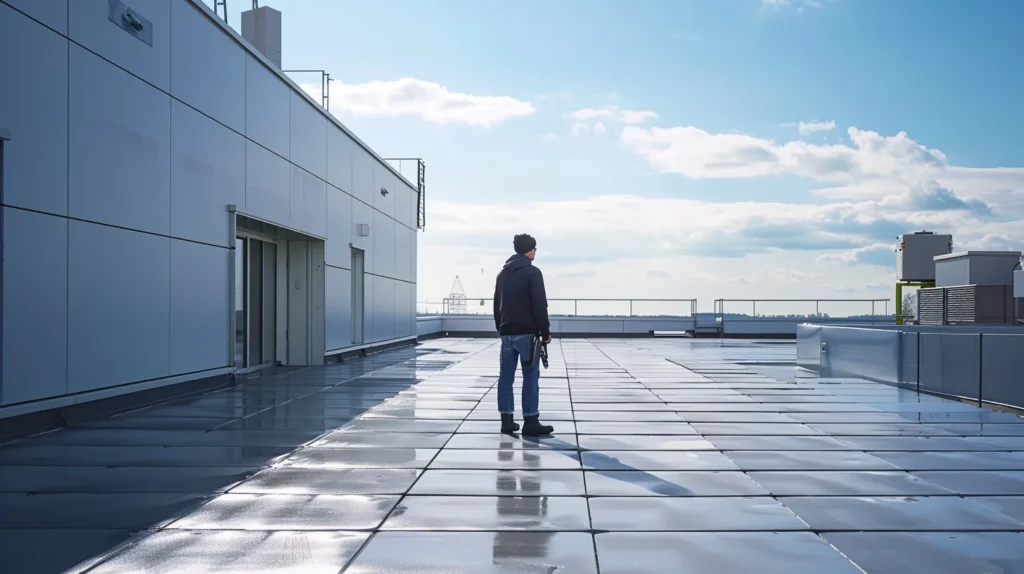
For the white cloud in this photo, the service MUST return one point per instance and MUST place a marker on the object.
(875, 187)
(698, 154)
(613, 114)
(593, 120)
(810, 127)
(428, 101)
(800, 5)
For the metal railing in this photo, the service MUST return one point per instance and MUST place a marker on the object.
(588, 307)
(824, 310)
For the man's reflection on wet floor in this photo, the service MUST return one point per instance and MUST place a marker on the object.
(521, 505)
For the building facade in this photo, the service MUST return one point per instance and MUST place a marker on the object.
(175, 208)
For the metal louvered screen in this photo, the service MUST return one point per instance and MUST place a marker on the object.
(966, 305)
(931, 306)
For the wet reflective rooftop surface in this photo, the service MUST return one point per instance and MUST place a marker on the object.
(670, 455)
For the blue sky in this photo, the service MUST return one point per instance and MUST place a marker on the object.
(725, 148)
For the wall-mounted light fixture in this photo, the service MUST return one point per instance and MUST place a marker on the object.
(384, 192)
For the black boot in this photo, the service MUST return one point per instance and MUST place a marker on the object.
(532, 427)
(508, 426)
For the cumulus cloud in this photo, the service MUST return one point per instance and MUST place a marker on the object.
(698, 154)
(594, 120)
(813, 126)
(428, 101)
(613, 114)
(872, 188)
(879, 254)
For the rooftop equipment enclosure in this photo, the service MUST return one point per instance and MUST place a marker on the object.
(915, 254)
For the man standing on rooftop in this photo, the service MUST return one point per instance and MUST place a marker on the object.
(521, 317)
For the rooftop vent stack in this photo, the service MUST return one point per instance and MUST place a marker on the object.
(261, 27)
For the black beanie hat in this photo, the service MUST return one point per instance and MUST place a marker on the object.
(523, 243)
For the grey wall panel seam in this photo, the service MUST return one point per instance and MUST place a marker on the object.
(121, 227)
(173, 97)
(170, 182)
(67, 223)
(40, 22)
(295, 89)
(349, 269)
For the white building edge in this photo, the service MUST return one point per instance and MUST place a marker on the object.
(160, 175)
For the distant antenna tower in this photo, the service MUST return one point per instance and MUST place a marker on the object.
(457, 298)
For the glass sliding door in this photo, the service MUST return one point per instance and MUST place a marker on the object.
(255, 302)
(240, 296)
(254, 309)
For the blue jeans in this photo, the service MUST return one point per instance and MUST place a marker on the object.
(518, 348)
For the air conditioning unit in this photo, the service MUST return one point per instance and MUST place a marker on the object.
(915, 254)
(976, 268)
(966, 305)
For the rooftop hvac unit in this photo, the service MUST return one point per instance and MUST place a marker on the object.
(979, 304)
(916, 252)
(966, 305)
(976, 268)
(931, 306)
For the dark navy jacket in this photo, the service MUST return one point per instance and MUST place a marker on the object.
(520, 302)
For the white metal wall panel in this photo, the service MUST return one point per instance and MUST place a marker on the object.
(403, 253)
(402, 309)
(53, 13)
(267, 107)
(35, 297)
(362, 175)
(403, 196)
(308, 202)
(33, 106)
(411, 318)
(207, 175)
(308, 132)
(384, 179)
(267, 184)
(200, 318)
(118, 306)
(89, 25)
(414, 206)
(339, 228)
(362, 213)
(383, 245)
(383, 308)
(120, 147)
(207, 66)
(339, 158)
(338, 319)
(369, 311)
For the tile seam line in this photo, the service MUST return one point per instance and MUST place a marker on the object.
(376, 530)
(145, 533)
(579, 453)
